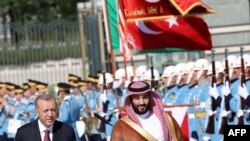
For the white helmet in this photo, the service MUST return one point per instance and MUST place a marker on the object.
(231, 61)
(201, 65)
(218, 68)
(189, 69)
(179, 71)
(231, 64)
(246, 60)
(237, 62)
(130, 71)
(141, 70)
(147, 75)
(120, 73)
(168, 71)
(108, 78)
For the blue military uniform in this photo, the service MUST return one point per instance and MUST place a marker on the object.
(170, 95)
(181, 93)
(69, 110)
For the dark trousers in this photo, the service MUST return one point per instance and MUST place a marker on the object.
(95, 137)
(3, 137)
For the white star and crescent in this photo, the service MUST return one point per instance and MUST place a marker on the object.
(172, 21)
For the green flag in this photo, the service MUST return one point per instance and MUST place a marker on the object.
(112, 24)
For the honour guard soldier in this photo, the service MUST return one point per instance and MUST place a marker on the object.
(230, 91)
(69, 111)
(140, 72)
(109, 102)
(244, 91)
(170, 83)
(247, 95)
(182, 87)
(17, 117)
(202, 96)
(3, 117)
(190, 99)
(215, 93)
(154, 82)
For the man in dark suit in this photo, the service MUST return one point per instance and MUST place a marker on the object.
(45, 127)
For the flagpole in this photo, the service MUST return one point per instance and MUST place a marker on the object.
(132, 61)
(111, 53)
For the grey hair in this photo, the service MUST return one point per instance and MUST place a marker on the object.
(45, 97)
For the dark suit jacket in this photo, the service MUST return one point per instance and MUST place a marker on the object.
(30, 132)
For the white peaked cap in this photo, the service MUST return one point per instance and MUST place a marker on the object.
(201, 64)
(141, 70)
(147, 75)
(168, 71)
(108, 78)
(120, 73)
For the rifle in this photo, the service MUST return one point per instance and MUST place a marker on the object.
(90, 121)
(242, 81)
(224, 119)
(210, 126)
(152, 74)
(105, 104)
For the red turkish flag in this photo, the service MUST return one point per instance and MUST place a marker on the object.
(177, 32)
(191, 7)
(181, 116)
(160, 9)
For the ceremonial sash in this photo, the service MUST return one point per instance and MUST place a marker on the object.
(137, 128)
(172, 128)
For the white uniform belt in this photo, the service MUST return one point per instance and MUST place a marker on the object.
(191, 116)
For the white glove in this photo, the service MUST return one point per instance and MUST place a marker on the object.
(117, 115)
(115, 85)
(225, 90)
(210, 113)
(242, 91)
(213, 91)
(225, 113)
(240, 113)
(206, 138)
(202, 105)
